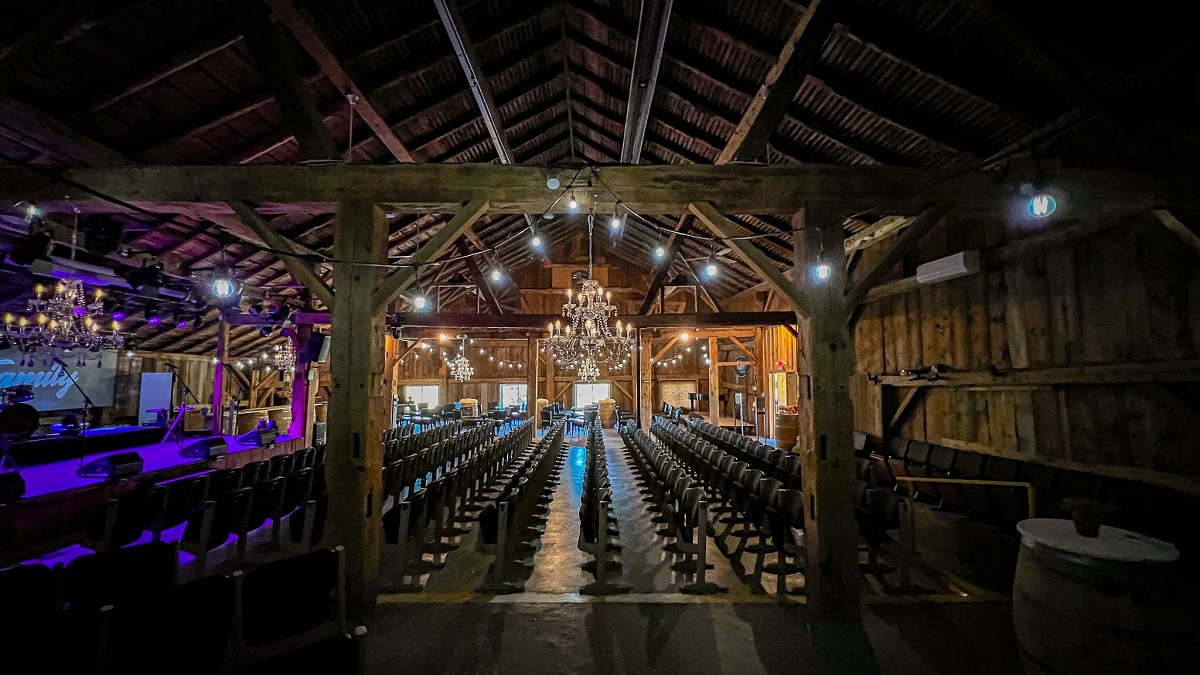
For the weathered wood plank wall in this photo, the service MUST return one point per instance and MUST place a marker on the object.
(1124, 297)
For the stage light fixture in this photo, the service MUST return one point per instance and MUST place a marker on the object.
(152, 316)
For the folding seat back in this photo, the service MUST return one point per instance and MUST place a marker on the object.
(289, 597)
(254, 472)
(281, 465)
(941, 459)
(223, 482)
(897, 448)
(341, 653)
(30, 595)
(789, 514)
(266, 501)
(119, 575)
(183, 497)
(186, 626)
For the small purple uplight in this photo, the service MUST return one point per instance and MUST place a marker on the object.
(154, 320)
(181, 325)
(80, 311)
(118, 315)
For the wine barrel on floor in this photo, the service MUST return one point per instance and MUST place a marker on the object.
(1108, 604)
(787, 428)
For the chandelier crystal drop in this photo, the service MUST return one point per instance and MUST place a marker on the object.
(460, 366)
(67, 323)
(585, 339)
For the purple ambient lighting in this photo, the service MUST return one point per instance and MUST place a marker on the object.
(80, 311)
(118, 315)
(154, 320)
(181, 325)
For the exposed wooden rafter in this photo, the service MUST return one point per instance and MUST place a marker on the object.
(647, 57)
(302, 30)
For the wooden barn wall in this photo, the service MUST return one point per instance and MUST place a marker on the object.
(197, 371)
(1123, 300)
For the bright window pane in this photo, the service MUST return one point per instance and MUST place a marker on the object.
(428, 394)
(513, 394)
(590, 394)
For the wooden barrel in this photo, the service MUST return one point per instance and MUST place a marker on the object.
(787, 427)
(1097, 605)
(608, 412)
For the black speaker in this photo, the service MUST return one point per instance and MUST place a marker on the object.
(256, 438)
(316, 350)
(116, 465)
(206, 448)
(12, 486)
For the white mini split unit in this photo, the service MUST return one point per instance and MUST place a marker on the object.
(961, 264)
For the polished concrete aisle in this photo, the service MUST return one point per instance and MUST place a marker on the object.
(550, 628)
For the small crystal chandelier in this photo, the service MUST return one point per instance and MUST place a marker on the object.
(66, 324)
(460, 367)
(283, 358)
(586, 340)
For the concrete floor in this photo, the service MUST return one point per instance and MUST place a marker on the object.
(551, 628)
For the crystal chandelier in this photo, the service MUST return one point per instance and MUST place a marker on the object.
(283, 358)
(67, 324)
(460, 367)
(586, 340)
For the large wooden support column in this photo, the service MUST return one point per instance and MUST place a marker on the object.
(302, 400)
(218, 396)
(358, 405)
(714, 382)
(645, 363)
(831, 574)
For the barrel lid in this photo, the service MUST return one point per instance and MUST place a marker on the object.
(1113, 543)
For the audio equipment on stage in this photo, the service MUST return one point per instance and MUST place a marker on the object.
(12, 486)
(257, 438)
(206, 448)
(18, 393)
(116, 465)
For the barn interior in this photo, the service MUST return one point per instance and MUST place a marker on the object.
(599, 336)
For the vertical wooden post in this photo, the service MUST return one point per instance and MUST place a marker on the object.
(302, 416)
(832, 540)
(531, 375)
(218, 396)
(645, 361)
(358, 404)
(714, 382)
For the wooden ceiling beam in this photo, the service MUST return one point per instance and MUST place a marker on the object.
(767, 108)
(181, 60)
(653, 21)
(302, 30)
(763, 266)
(647, 189)
(894, 254)
(273, 56)
(431, 250)
(303, 272)
(19, 57)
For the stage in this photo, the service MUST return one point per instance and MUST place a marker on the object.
(57, 504)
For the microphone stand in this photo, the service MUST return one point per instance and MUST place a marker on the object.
(187, 391)
(88, 405)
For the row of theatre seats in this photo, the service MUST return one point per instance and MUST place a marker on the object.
(515, 508)
(597, 521)
(475, 474)
(1137, 506)
(126, 615)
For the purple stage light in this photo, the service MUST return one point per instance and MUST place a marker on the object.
(118, 315)
(154, 320)
(80, 311)
(181, 325)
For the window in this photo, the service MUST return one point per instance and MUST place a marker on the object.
(514, 393)
(590, 394)
(423, 393)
